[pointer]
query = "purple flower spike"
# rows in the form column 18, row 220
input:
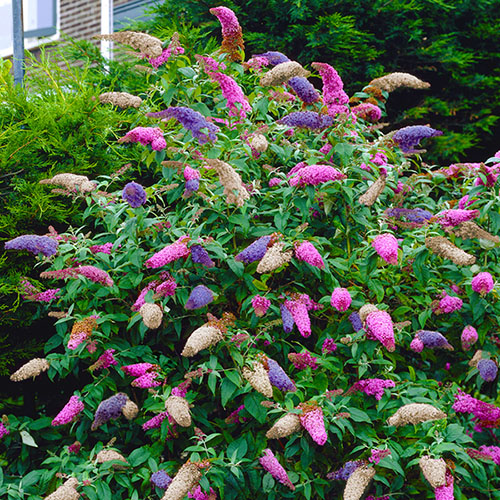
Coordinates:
column 134, row 194
column 108, row 409
column 356, row 322
column 200, row 297
column 488, row 369
column 304, row 89
column 306, row 119
column 345, row 471
column 287, row 319
column 278, row 377
column 408, row 137
column 34, row 244
column 191, row 120
column 200, row 256
column 273, row 57
column 255, row 251
column 434, row 340
column 161, row 479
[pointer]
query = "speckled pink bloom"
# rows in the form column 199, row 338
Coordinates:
column 105, row 360
column 275, row 181
column 372, row 387
column 445, row 492
column 299, row 311
column 312, row 420
column 72, row 408
column 307, row 252
column 147, row 380
column 379, row 325
column 451, row 218
column 303, row 360
column 106, row 248
column 483, row 283
column 146, row 135
column 341, row 299
column 3, row 430
column 170, row 253
column 449, row 304
column 312, row 175
column 486, row 415
column 271, row 465
column 137, row 369
column 234, row 95
column 95, row 274
column 377, row 455
column 417, row 345
column 469, row 337
column 260, row 305
column 191, row 173
column 155, row 422
column 386, row 245
column 334, row 96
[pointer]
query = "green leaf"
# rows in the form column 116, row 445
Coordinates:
column 237, row 448
column 227, row 389
column 237, row 267
column 253, row 406
column 138, row 456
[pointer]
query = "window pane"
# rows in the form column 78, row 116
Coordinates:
column 5, row 27
column 39, row 17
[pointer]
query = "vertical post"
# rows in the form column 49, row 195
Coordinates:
column 18, row 41
column 106, row 27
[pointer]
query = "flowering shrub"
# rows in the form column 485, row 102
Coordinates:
column 247, row 338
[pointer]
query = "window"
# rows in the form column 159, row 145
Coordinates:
column 123, row 13
column 40, row 21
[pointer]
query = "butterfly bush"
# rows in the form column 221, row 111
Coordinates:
column 180, row 315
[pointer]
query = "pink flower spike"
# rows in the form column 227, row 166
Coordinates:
column 260, row 305
column 379, row 326
column 313, row 422
column 483, row 283
column 271, row 465
column 298, row 310
column 386, row 245
column 334, row 96
column 232, row 92
column 72, row 408
column 138, row 369
column 341, row 299
column 3, row 430
column 170, row 253
column 445, row 492
column 307, row 252
column 469, row 337
column 312, row 175
column 377, row 455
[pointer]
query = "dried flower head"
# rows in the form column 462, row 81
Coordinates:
column 234, row 190
column 147, row 44
column 152, row 315
column 178, row 408
column 202, row 338
column 393, row 81
column 130, row 410
column 66, row 491
column 32, row 368
column 274, row 258
column 369, row 197
column 284, row 426
column 187, row 477
column 446, row 249
column 109, row 455
column 72, row 182
column 434, row 470
column 415, row 413
column 120, row 99
column 258, row 379
column 358, row 482
column 281, row 73
column 468, row 230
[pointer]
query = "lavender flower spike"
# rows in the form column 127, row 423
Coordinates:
column 273, row 57
column 278, row 377
column 191, row 120
column 306, row 119
column 134, row 194
column 304, row 89
column 254, row 251
column 408, row 137
column 34, row 244
column 200, row 296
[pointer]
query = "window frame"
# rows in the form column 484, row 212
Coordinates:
column 44, row 32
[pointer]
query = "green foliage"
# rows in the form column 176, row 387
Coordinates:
column 452, row 45
column 224, row 438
